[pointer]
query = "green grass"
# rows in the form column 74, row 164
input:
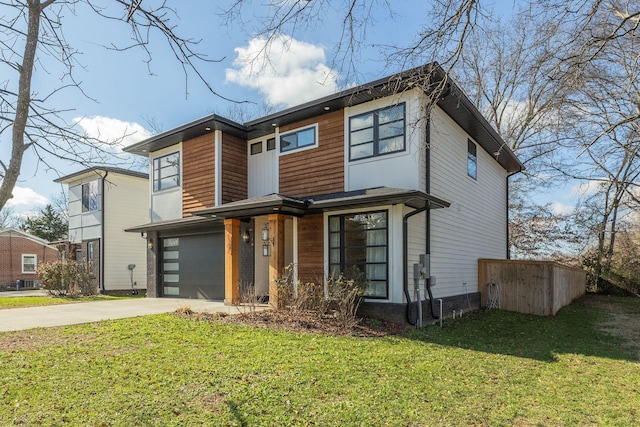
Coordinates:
column 489, row 368
column 17, row 302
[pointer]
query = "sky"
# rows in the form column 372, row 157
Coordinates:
column 128, row 96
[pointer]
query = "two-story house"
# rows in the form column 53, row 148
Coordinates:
column 103, row 201
column 368, row 177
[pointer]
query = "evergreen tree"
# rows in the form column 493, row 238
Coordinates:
column 48, row 225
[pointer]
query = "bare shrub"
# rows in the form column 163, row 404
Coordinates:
column 67, row 278
column 346, row 292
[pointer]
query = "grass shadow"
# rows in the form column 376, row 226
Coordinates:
column 575, row 329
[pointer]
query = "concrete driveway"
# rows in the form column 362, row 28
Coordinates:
column 17, row 319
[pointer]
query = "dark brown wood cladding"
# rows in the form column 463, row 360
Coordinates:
column 234, row 168
column 311, row 248
column 319, row 170
column 198, row 174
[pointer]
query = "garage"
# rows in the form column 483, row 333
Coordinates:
column 192, row 266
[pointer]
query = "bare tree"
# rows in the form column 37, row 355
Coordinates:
column 32, row 40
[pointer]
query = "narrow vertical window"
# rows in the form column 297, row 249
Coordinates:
column 472, row 160
column 90, row 196
column 166, row 171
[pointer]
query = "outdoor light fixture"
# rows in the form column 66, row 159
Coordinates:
column 150, row 244
column 246, row 236
column 265, row 232
column 266, row 249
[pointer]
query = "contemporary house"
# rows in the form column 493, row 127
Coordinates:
column 370, row 177
column 103, row 201
column 20, row 255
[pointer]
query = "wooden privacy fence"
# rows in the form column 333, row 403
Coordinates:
column 532, row 287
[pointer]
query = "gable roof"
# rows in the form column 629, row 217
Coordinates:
column 453, row 101
column 36, row 239
column 96, row 170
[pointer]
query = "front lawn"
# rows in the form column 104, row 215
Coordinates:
column 27, row 301
column 489, row 368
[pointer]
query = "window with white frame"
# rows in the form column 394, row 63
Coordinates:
column 299, row 138
column 472, row 160
column 360, row 240
column 90, row 196
column 166, row 171
column 29, row 263
column 377, row 132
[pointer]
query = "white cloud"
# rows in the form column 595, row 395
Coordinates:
column 113, row 131
column 561, row 209
column 26, row 197
column 285, row 70
column 585, row 189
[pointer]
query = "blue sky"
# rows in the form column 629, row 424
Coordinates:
column 127, row 97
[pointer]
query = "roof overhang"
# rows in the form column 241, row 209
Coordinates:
column 99, row 172
column 276, row 203
column 183, row 225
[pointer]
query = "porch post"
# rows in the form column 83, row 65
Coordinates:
column 231, row 261
column 276, row 260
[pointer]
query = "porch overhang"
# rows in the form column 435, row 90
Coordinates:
column 183, row 225
column 295, row 206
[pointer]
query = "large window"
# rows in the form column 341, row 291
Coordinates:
column 306, row 137
column 360, row 240
column 472, row 160
column 29, row 263
column 166, row 171
column 377, row 133
column 90, row 196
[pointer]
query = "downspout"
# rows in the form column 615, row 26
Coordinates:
column 427, row 173
column 101, row 261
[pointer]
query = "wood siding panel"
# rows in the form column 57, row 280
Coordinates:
column 198, row 174
column 311, row 248
column 234, row 168
column 319, row 170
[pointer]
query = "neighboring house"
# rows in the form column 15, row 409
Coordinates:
column 20, row 255
column 103, row 201
column 328, row 185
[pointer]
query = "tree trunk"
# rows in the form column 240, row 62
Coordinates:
column 18, row 145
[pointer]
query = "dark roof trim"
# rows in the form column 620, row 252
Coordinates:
column 97, row 171
column 187, row 131
column 276, row 203
column 188, row 223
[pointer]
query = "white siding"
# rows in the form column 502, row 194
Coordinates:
column 474, row 226
column 397, row 170
column 165, row 204
column 125, row 206
column 262, row 169
column 416, row 245
column 84, row 225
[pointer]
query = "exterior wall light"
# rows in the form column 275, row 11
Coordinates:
column 266, row 249
column 246, row 236
column 265, row 233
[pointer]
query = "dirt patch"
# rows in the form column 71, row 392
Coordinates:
column 622, row 319
column 303, row 321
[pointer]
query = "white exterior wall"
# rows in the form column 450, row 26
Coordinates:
column 125, row 206
column 475, row 224
column 165, row 204
column 397, row 170
column 262, row 169
column 84, row 225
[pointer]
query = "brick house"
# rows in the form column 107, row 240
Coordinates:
column 20, row 255
column 362, row 178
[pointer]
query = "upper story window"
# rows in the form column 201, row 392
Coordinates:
column 166, row 171
column 271, row 144
column 29, row 263
column 300, row 138
column 377, row 132
column 472, row 160
column 256, row 148
column 90, row 196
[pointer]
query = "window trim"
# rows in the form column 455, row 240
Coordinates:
column 159, row 177
column 271, row 144
column 255, row 148
column 472, row 157
column 35, row 263
column 342, row 248
column 376, row 131
column 296, row 149
column 86, row 207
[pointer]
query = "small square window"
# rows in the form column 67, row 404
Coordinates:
column 256, row 148
column 472, row 160
column 271, row 144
